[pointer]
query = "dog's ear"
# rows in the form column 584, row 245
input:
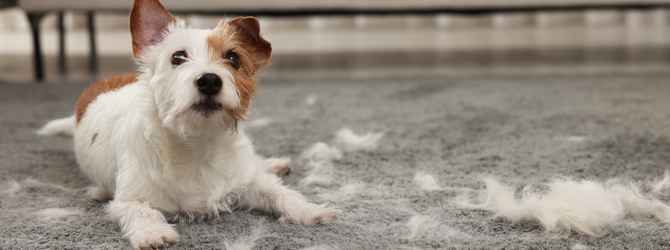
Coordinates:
column 148, row 20
column 248, row 31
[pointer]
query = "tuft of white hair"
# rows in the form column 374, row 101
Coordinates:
column 57, row 213
column 319, row 247
column 576, row 139
column 662, row 184
column 350, row 142
column 311, row 100
column 344, row 193
column 60, row 127
column 426, row 182
column 322, row 152
column 260, row 122
column 29, row 182
column 578, row 246
column 248, row 242
column 585, row 207
column 415, row 224
column 12, row 187
column 320, row 173
column 430, row 227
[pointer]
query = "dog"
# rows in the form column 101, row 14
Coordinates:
column 169, row 143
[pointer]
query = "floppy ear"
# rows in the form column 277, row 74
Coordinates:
column 148, row 20
column 248, row 31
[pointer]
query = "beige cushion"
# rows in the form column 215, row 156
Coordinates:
column 278, row 5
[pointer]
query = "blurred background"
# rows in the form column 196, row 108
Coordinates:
column 631, row 36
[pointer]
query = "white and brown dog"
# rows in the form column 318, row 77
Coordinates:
column 169, row 143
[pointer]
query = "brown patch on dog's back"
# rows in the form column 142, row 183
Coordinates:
column 102, row 87
column 242, row 36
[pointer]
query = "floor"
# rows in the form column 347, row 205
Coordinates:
column 454, row 131
column 376, row 46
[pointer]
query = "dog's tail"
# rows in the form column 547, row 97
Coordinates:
column 60, row 127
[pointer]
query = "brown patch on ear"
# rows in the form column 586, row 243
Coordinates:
column 99, row 88
column 241, row 35
column 148, row 20
column 248, row 32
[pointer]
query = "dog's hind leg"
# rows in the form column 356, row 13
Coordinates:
column 97, row 193
column 278, row 166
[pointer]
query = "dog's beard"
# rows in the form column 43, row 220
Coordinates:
column 207, row 107
column 204, row 116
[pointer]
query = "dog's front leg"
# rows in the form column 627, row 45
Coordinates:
column 145, row 227
column 267, row 194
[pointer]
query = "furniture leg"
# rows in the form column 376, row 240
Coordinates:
column 38, row 62
column 93, row 58
column 62, row 60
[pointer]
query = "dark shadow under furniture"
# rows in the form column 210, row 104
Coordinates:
column 36, row 16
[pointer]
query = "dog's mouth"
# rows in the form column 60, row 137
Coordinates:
column 207, row 107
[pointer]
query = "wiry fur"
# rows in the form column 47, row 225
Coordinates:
column 578, row 246
column 320, row 173
column 57, row 213
column 426, row 182
column 322, row 152
column 319, row 247
column 249, row 241
column 345, row 193
column 149, row 146
column 430, row 227
column 13, row 187
column 311, row 100
column 415, row 224
column 663, row 184
column 585, row 207
column 349, row 142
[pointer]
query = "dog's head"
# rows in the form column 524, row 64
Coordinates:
column 203, row 80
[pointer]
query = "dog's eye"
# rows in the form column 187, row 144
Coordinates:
column 178, row 58
column 234, row 59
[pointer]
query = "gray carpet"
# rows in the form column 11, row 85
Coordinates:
column 520, row 129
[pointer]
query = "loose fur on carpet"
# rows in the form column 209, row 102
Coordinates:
column 406, row 174
column 585, row 207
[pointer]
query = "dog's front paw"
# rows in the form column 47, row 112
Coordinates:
column 154, row 237
column 314, row 216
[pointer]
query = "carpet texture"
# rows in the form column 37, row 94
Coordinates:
column 521, row 130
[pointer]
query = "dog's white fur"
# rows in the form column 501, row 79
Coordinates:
column 426, row 181
column 57, row 213
column 322, row 152
column 350, row 142
column 159, row 159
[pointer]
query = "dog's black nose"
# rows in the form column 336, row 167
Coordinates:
column 209, row 84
